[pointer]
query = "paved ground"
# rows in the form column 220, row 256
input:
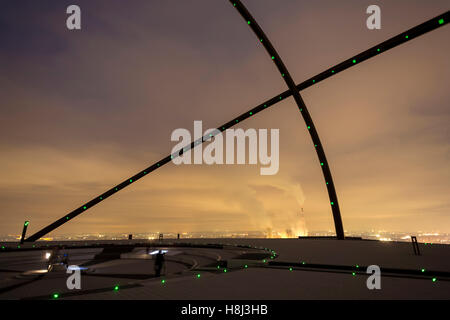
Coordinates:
column 193, row 273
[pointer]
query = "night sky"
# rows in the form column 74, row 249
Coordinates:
column 83, row 110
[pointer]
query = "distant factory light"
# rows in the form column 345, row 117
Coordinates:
column 47, row 255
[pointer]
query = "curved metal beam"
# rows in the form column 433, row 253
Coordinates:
column 415, row 32
column 303, row 110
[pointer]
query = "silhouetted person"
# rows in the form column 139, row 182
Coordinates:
column 159, row 263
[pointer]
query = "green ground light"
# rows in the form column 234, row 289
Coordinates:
column 116, row 288
column 55, row 296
